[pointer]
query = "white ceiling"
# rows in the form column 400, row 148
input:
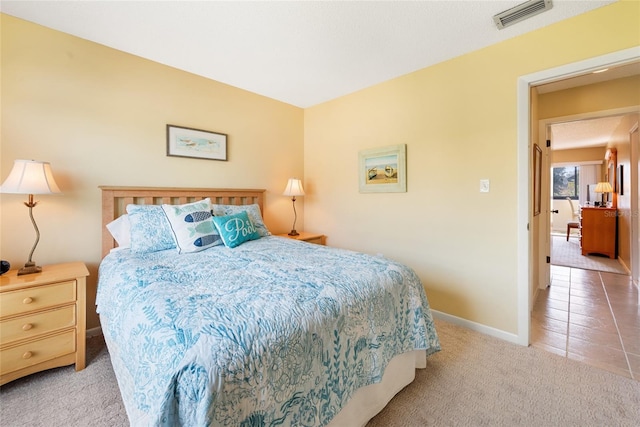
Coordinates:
column 306, row 52
column 299, row 52
column 584, row 133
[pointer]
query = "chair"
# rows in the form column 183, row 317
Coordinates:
column 575, row 219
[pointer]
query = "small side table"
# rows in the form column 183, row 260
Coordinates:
column 42, row 320
column 318, row 239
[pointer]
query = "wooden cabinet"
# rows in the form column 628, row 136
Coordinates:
column 42, row 320
column 319, row 239
column 598, row 230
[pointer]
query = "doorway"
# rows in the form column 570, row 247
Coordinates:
column 529, row 230
column 573, row 284
column 578, row 152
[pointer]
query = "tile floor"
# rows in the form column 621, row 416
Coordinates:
column 590, row 316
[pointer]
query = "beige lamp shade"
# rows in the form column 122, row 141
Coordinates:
column 294, row 188
column 603, row 187
column 30, row 177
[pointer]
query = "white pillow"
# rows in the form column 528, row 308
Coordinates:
column 192, row 226
column 120, row 229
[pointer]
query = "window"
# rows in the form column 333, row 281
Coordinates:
column 565, row 182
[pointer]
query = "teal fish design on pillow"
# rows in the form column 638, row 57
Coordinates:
column 202, row 227
column 192, row 225
column 206, row 240
column 198, row 216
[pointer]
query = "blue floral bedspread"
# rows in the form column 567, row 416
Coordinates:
column 272, row 332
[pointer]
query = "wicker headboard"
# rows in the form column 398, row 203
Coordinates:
column 116, row 199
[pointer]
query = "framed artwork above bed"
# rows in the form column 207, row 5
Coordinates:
column 196, row 143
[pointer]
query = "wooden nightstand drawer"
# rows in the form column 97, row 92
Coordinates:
column 319, row 239
column 37, row 351
column 37, row 324
column 42, row 320
column 30, row 299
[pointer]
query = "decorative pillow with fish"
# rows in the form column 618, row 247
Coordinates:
column 192, row 226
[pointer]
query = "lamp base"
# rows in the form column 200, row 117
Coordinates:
column 294, row 233
column 29, row 268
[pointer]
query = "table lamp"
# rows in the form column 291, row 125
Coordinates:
column 30, row 177
column 294, row 188
column 603, row 187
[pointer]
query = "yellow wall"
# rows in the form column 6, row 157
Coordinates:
column 458, row 119
column 591, row 154
column 609, row 95
column 621, row 141
column 99, row 115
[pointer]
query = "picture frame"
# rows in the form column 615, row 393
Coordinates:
column 383, row 170
column 620, row 180
column 537, row 179
column 196, row 143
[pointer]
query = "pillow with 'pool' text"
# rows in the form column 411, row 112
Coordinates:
column 253, row 211
column 235, row 229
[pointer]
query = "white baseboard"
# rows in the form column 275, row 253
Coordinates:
column 94, row 332
column 487, row 330
column 624, row 265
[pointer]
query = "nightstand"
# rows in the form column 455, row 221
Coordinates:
column 319, row 239
column 42, row 320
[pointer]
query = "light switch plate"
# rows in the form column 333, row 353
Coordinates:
column 484, row 185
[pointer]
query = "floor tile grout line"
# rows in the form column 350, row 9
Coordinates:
column 566, row 344
column 615, row 322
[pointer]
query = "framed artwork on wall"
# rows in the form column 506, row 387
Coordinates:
column 383, row 170
column 537, row 179
column 196, row 143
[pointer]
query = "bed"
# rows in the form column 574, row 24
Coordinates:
column 268, row 331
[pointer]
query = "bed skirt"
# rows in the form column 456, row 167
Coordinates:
column 370, row 400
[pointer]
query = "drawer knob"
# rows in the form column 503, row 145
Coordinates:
column 27, row 326
column 27, row 355
column 27, row 300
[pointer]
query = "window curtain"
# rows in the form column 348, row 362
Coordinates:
column 588, row 175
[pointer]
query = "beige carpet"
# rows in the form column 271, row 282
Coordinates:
column 569, row 254
column 476, row 380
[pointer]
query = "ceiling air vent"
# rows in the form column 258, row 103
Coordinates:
column 521, row 12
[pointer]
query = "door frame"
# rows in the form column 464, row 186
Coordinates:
column 525, row 261
column 634, row 163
